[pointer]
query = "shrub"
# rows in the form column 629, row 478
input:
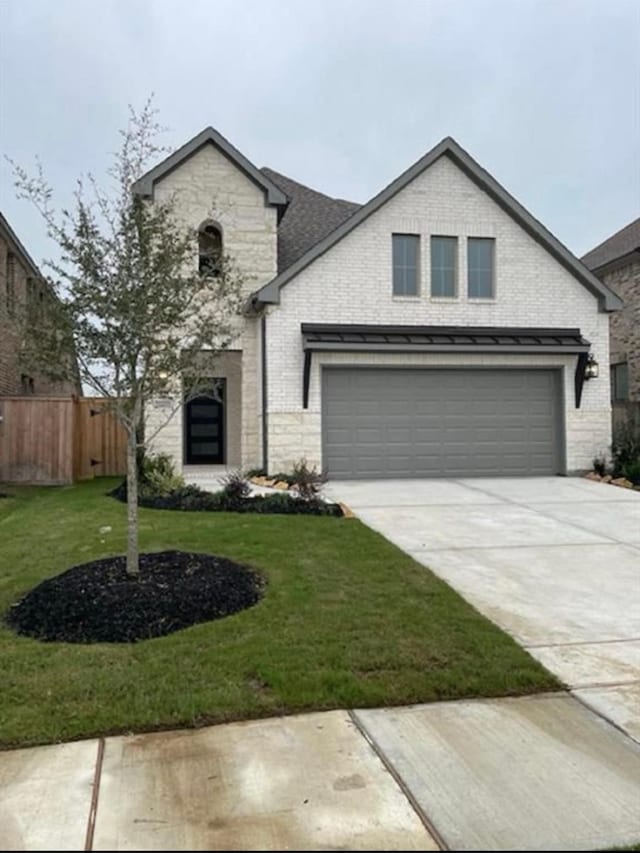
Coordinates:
column 625, row 450
column 159, row 476
column 235, row 487
column 194, row 499
column 255, row 472
column 600, row 465
column 308, row 482
column 631, row 470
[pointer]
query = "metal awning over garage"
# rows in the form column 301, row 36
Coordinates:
column 324, row 337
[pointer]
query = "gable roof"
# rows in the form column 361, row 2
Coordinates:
column 624, row 242
column 11, row 237
column 273, row 194
column 608, row 301
column 310, row 216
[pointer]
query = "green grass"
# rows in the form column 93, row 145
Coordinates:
column 348, row 620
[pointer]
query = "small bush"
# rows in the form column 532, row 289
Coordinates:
column 194, row 499
column 308, row 482
column 626, row 449
column 235, row 487
column 631, row 470
column 255, row 472
column 600, row 465
column 159, row 476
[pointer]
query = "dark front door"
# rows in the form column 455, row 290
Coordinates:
column 204, row 428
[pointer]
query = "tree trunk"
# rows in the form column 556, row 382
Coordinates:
column 133, row 567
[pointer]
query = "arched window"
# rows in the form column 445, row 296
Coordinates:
column 209, row 249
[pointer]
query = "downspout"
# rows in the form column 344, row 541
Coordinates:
column 263, row 354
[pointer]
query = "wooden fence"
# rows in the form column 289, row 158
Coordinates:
column 58, row 440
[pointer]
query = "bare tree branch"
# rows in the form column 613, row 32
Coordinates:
column 131, row 305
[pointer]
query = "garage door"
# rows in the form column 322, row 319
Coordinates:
column 440, row 423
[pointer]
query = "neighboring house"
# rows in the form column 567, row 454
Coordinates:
column 617, row 263
column 20, row 283
column 437, row 330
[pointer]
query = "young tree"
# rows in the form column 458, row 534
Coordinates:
column 141, row 319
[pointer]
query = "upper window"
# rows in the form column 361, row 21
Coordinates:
column 406, row 254
column 480, row 267
column 209, row 249
column 620, row 382
column 444, row 266
column 10, row 275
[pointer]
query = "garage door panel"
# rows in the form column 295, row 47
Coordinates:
column 380, row 422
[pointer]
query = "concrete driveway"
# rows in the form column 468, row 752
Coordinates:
column 553, row 561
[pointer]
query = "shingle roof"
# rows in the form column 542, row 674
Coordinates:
column 310, row 216
column 623, row 242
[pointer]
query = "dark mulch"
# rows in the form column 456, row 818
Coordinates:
column 194, row 499
column 99, row 603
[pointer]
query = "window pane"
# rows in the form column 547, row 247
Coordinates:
column 444, row 251
column 620, row 382
column 406, row 249
column 480, row 252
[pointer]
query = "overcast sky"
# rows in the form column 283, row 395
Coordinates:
column 342, row 96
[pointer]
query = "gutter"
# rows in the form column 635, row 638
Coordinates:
column 263, row 356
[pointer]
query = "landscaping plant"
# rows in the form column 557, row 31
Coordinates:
column 307, row 481
column 131, row 304
column 625, row 451
column 235, row 487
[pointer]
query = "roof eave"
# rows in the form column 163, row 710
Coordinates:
column 617, row 263
column 11, row 236
column 607, row 299
column 144, row 185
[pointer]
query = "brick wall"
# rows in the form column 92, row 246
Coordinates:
column 13, row 302
column 352, row 284
column 625, row 324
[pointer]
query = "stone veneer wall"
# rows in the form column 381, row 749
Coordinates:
column 226, row 365
column 625, row 325
column 209, row 186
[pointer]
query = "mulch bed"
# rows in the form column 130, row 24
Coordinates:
column 194, row 499
column 99, row 603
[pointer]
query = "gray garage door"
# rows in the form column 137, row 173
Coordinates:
column 440, row 423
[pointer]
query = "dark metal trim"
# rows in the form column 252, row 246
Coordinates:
column 326, row 337
column 306, row 378
column 364, row 328
column 607, row 299
column 372, row 338
column 144, row 185
column 581, row 370
column 263, row 357
column 505, row 348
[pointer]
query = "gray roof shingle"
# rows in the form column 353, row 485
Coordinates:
column 309, row 217
column 623, row 242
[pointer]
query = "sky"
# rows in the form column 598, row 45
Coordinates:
column 342, row 96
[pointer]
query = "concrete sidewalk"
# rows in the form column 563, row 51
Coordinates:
column 531, row 773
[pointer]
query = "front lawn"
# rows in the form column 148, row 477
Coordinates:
column 348, row 620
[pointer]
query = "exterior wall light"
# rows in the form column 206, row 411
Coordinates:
column 592, row 370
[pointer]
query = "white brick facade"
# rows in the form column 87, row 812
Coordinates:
column 352, row 283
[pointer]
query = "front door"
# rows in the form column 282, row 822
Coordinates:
column 204, row 428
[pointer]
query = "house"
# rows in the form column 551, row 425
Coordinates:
column 616, row 262
column 437, row 330
column 21, row 284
